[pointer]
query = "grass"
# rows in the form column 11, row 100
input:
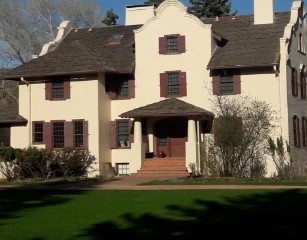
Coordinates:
column 198, row 214
column 229, row 181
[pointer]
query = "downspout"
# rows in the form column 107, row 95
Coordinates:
column 30, row 110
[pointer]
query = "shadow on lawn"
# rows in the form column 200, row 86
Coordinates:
column 274, row 214
column 17, row 198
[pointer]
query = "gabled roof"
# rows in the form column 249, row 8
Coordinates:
column 84, row 51
column 167, row 108
column 246, row 44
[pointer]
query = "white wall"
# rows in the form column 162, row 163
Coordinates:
column 83, row 104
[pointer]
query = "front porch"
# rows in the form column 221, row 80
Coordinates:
column 172, row 137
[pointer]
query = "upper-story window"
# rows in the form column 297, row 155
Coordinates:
column 226, row 82
column 301, row 44
column 303, row 83
column 294, row 82
column 173, row 84
column 120, row 86
column 58, row 89
column 172, row 44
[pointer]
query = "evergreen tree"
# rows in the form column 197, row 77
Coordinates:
column 209, row 8
column 156, row 2
column 110, row 18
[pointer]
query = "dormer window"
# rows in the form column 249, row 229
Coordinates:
column 116, row 39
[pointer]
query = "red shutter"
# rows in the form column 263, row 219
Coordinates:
column 68, row 134
column 131, row 132
column 294, row 82
column 216, row 83
column 161, row 45
column 131, row 88
column 67, row 89
column 163, row 84
column 237, row 84
column 85, row 134
column 183, row 84
column 48, row 90
column 181, row 44
column 47, row 135
column 112, row 136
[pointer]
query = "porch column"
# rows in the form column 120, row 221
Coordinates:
column 191, row 145
column 137, row 131
column 191, row 130
column 137, row 152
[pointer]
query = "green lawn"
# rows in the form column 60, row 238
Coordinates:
column 184, row 214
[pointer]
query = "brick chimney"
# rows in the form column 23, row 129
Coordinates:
column 264, row 11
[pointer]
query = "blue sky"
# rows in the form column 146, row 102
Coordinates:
column 243, row 6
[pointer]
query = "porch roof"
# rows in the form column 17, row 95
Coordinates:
column 166, row 108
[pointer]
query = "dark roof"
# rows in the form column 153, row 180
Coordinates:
column 85, row 50
column 9, row 103
column 247, row 44
column 167, row 107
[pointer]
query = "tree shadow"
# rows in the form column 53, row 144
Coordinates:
column 14, row 199
column 273, row 214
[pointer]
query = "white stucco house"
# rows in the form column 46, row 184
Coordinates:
column 130, row 92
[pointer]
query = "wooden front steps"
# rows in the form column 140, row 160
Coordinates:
column 163, row 167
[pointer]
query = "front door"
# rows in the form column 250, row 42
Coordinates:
column 171, row 137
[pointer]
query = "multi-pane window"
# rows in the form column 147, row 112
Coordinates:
column 227, row 85
column 296, row 131
column 173, row 84
column 58, row 134
column 78, row 133
column 57, row 90
column 123, row 168
column 38, row 132
column 226, row 82
column 304, row 131
column 123, row 134
column 172, row 44
column 303, row 83
column 120, row 86
column 123, row 89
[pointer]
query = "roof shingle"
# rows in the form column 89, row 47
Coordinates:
column 167, row 107
column 247, row 44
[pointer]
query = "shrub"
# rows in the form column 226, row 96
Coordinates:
column 33, row 162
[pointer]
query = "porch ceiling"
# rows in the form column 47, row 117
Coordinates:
column 166, row 108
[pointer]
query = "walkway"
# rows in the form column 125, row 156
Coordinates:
column 132, row 183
